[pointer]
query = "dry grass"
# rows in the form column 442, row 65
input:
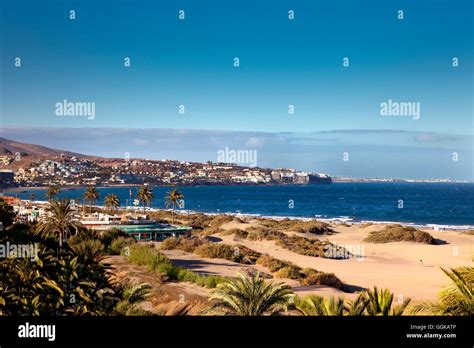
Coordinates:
column 307, row 276
column 303, row 246
column 297, row 244
column 264, row 233
column 182, row 243
column 398, row 233
column 312, row 226
column 239, row 253
column 314, row 277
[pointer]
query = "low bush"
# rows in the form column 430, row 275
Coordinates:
column 274, row 265
column 118, row 245
column 398, row 233
column 182, row 243
column 307, row 276
column 238, row 233
column 198, row 221
column 303, row 246
column 264, row 233
column 291, row 225
column 109, row 235
column 221, row 219
column 290, row 272
column 218, row 251
column 209, row 231
column 313, row 277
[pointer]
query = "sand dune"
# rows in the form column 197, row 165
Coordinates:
column 408, row 269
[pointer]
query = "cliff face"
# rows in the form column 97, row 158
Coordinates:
column 322, row 179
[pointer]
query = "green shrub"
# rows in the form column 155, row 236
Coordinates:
column 264, row 233
column 290, row 272
column 169, row 270
column 170, row 243
column 217, row 251
column 238, row 233
column 209, row 231
column 274, row 265
column 292, row 225
column 182, row 243
column 118, row 245
column 109, row 235
column 198, row 221
column 313, row 277
column 398, row 233
column 147, row 255
column 219, row 220
column 303, row 246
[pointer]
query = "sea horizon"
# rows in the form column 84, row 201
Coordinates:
column 417, row 204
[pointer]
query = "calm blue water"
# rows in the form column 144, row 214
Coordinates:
column 423, row 203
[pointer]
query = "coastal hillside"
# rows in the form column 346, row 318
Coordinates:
column 35, row 165
column 11, row 147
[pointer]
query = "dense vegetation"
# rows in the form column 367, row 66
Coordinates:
column 64, row 273
column 373, row 302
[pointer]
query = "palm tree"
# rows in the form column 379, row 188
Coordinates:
column 52, row 191
column 7, row 214
column 145, row 195
column 251, row 296
column 91, row 195
column 173, row 198
column 88, row 251
column 132, row 295
column 380, row 303
column 318, row 305
column 60, row 222
column 455, row 299
column 358, row 306
column 112, row 201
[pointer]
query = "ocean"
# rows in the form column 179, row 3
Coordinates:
column 410, row 203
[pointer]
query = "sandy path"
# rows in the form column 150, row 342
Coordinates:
column 393, row 265
column 230, row 269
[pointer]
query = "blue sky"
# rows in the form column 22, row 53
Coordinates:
column 283, row 62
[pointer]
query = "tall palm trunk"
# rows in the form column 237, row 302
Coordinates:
column 172, row 214
column 61, row 239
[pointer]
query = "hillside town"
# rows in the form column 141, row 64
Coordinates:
column 77, row 171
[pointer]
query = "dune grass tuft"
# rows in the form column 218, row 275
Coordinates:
column 398, row 233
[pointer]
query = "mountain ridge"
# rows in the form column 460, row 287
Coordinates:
column 11, row 147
